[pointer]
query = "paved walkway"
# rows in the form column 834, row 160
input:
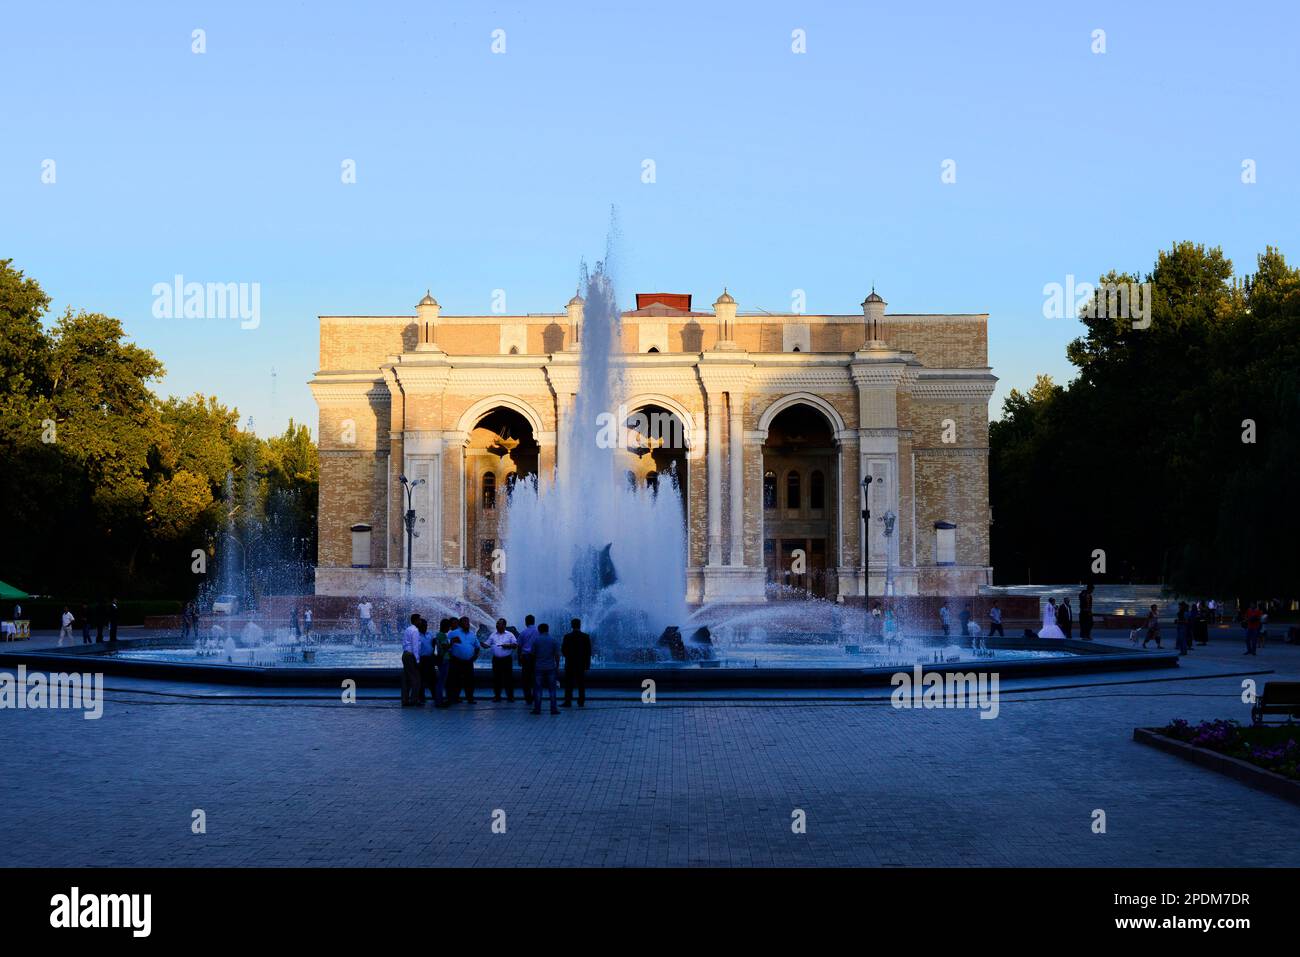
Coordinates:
column 687, row 780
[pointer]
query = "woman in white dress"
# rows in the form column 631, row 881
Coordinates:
column 1050, row 630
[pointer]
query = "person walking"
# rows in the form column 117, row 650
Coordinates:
column 995, row 621
column 411, row 693
column 1254, row 622
column 430, row 664
column 85, row 624
column 464, row 651
column 502, row 644
column 306, row 623
column 1085, row 613
column 112, row 622
column 945, row 619
column 576, row 649
column 1153, row 627
column 1181, row 628
column 366, row 628
column 527, row 660
column 547, row 651
column 66, row 630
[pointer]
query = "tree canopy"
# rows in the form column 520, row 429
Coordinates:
column 1173, row 450
column 108, row 487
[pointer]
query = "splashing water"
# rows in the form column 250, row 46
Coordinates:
column 590, row 545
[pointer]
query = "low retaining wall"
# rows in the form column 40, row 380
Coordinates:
column 1256, row 777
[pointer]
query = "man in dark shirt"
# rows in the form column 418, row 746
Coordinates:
column 1085, row 613
column 576, row 649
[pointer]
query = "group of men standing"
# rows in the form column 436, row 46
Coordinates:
column 442, row 663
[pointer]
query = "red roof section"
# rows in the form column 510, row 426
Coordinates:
column 673, row 300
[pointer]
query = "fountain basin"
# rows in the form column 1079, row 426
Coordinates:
column 777, row 666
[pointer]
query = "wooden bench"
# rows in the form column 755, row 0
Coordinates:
column 1279, row 698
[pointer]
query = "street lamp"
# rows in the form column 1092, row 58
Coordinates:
column 409, row 520
column 888, row 520
column 866, row 557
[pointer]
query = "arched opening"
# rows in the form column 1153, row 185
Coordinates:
column 656, row 443
column 501, row 450
column 799, row 516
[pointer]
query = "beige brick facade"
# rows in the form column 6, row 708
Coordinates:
column 781, row 415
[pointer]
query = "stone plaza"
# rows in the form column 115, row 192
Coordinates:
column 300, row 778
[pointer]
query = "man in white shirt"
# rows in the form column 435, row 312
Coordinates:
column 503, row 645
column 66, row 630
column 411, row 663
column 363, row 612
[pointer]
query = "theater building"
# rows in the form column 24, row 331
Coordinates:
column 780, row 418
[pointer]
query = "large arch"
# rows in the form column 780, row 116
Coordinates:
column 482, row 407
column 799, row 506
column 805, row 398
column 643, row 399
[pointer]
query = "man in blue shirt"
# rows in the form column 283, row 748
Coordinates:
column 546, row 650
column 464, row 651
column 527, row 660
column 430, row 660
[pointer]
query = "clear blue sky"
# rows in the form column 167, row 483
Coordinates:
column 775, row 171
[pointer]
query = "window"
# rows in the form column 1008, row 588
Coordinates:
column 489, row 491
column 817, row 490
column 945, row 543
column 361, row 546
column 792, row 486
column 769, row 490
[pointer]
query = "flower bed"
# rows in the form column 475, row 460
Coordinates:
column 1275, row 748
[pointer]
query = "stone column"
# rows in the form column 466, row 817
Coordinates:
column 736, row 481
column 715, row 478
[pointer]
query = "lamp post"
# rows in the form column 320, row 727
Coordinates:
column 409, row 520
column 866, row 557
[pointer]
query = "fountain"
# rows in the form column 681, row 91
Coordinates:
column 590, row 545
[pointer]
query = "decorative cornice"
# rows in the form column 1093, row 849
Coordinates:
column 958, row 387
column 944, row 451
column 331, row 391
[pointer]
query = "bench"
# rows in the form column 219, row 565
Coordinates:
column 1279, row 698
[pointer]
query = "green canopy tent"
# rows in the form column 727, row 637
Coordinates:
column 9, row 592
